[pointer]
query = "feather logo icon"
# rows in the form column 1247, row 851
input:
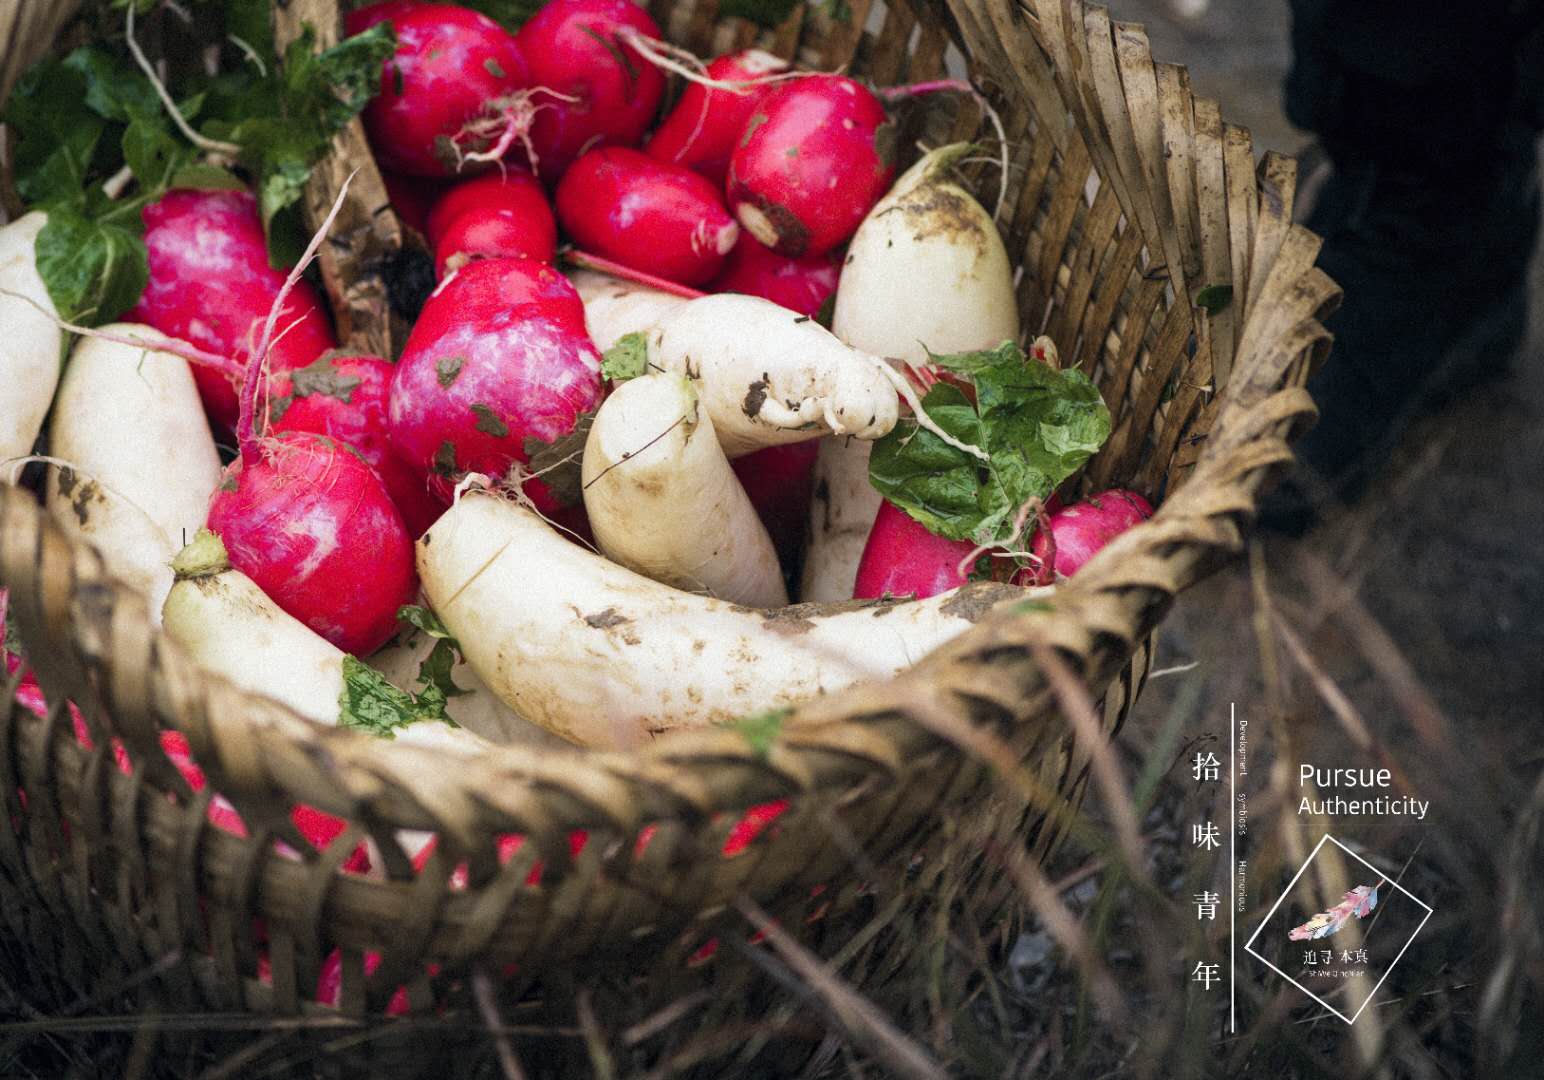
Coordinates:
column 1358, row 903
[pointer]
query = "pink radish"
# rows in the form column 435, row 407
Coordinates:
column 491, row 234
column 498, row 358
column 703, row 128
column 508, row 189
column 903, row 559
column 345, row 398
column 779, row 481
column 803, row 285
column 453, row 67
column 610, row 93
column 1079, row 531
column 659, row 218
column 211, row 286
column 313, row 526
column 357, row 22
column 814, row 157
column 412, row 197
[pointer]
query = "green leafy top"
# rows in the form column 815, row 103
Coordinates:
column 761, row 729
column 369, row 702
column 81, row 119
column 1037, row 424
column 627, row 359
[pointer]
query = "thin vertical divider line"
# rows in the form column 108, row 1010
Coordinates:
column 1232, row 868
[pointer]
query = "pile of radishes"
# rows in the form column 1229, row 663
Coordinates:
column 620, row 437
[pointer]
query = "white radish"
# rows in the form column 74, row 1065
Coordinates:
column 129, row 420
column 31, row 344
column 228, row 626
column 608, row 658
column 663, row 500
column 614, row 308
column 842, row 513
column 926, row 272
column 772, row 376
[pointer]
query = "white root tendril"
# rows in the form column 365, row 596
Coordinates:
column 510, row 124
column 1032, row 507
column 689, row 65
column 227, row 150
column 908, row 392
column 154, row 340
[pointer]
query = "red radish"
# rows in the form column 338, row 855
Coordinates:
column 411, row 197
column 492, row 234
column 508, row 189
column 803, row 285
column 345, row 398
column 903, row 559
column 659, row 218
column 499, row 357
column 1079, row 531
column 703, row 128
column 211, row 286
column 453, row 67
column 779, row 481
column 313, row 526
column 577, row 48
column 814, row 157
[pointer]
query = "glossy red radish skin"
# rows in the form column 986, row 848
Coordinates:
column 499, row 357
column 210, row 285
column 814, row 157
column 1080, row 531
column 903, row 559
column 313, row 526
column 509, row 188
column 494, row 234
column 577, row 48
column 803, row 285
column 453, row 66
column 659, row 218
column 702, row 130
column 345, row 398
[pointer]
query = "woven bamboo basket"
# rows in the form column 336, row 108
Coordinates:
column 1129, row 197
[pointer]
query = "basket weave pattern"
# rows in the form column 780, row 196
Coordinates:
column 1128, row 196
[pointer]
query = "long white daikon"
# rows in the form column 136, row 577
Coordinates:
column 30, row 340
column 142, row 462
column 608, row 658
column 663, row 500
column 926, row 272
column 614, row 308
column 230, row 627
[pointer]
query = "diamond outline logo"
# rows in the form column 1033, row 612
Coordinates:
column 1249, row 945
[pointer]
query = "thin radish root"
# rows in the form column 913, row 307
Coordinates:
column 153, row 339
column 253, row 378
column 1032, row 508
column 228, row 151
column 960, row 86
column 904, row 387
column 688, row 65
column 509, row 123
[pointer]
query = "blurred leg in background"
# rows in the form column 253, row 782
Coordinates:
column 1429, row 112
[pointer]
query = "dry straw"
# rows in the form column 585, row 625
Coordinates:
column 1156, row 254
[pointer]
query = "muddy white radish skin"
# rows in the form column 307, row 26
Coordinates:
column 130, row 420
column 926, row 270
column 31, row 345
column 608, row 658
column 771, row 376
column 228, row 626
column 614, row 308
column 663, row 500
